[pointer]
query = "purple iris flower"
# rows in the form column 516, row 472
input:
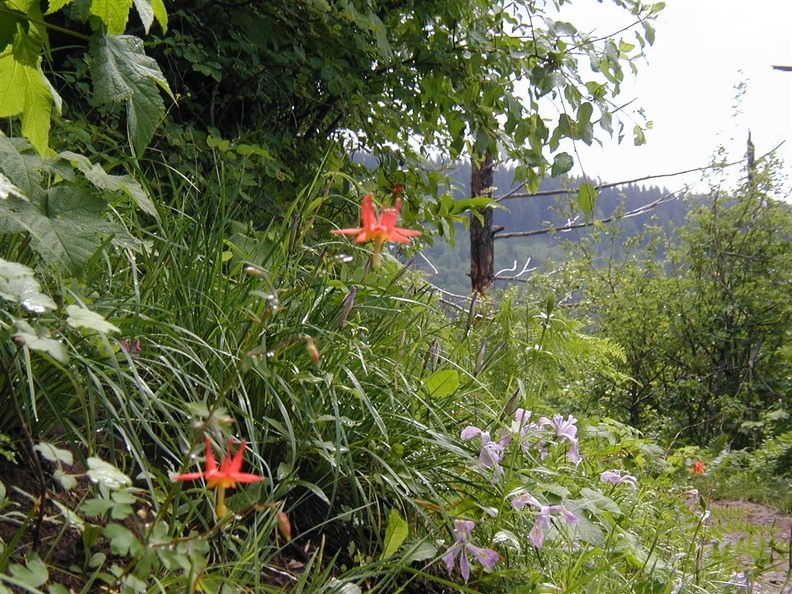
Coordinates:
column 490, row 452
column 617, row 477
column 565, row 429
column 462, row 546
column 543, row 518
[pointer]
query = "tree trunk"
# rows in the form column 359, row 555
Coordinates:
column 482, row 237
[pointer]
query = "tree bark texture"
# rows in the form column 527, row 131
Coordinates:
column 482, row 237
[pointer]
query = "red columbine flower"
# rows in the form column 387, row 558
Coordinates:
column 698, row 467
column 226, row 477
column 379, row 229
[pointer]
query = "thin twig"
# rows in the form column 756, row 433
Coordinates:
column 616, row 217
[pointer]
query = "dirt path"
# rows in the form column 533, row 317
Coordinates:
column 761, row 537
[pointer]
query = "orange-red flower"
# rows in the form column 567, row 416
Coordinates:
column 226, row 476
column 379, row 228
column 698, row 467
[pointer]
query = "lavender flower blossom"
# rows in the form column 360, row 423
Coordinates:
column 617, row 477
column 565, row 429
column 527, row 432
column 543, row 518
column 491, row 452
column 463, row 530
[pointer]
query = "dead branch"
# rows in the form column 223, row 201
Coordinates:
column 616, row 217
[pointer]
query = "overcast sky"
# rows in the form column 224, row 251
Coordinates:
column 703, row 51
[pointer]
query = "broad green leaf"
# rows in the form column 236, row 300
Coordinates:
column 146, row 13
column 53, row 454
column 442, row 383
column 114, row 14
column 96, row 506
column 122, row 540
column 40, row 342
column 72, row 230
column 591, row 499
column 344, row 587
column 508, row 538
column 22, row 165
column 639, row 136
column 160, row 13
column 587, row 199
column 105, row 181
column 420, row 552
column 562, row 163
column 79, row 317
column 584, row 114
column 395, row 534
column 588, row 531
column 18, row 283
column 123, row 72
column 8, row 27
column 24, row 92
column 149, row 10
column 55, row 5
column 106, row 474
column 465, row 204
column 34, row 574
column 67, row 481
column 7, row 189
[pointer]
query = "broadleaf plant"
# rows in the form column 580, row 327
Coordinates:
column 27, row 93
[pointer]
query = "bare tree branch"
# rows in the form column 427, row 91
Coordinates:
column 561, row 191
column 616, row 217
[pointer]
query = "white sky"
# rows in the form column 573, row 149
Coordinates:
column 703, row 50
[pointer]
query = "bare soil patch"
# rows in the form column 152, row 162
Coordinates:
column 762, row 538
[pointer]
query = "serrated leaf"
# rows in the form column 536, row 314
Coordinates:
column 123, row 72
column 96, row 174
column 145, row 12
column 395, row 534
column 562, row 163
column 31, row 339
column 71, row 231
column 149, row 10
column 24, row 92
column 53, row 454
column 18, row 283
column 587, row 199
column 114, row 14
column 106, row 474
column 55, row 5
column 161, row 14
column 442, row 383
column 80, row 317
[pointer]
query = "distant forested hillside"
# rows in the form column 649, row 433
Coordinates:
column 447, row 266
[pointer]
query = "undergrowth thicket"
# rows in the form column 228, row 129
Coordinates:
column 396, row 436
column 203, row 389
